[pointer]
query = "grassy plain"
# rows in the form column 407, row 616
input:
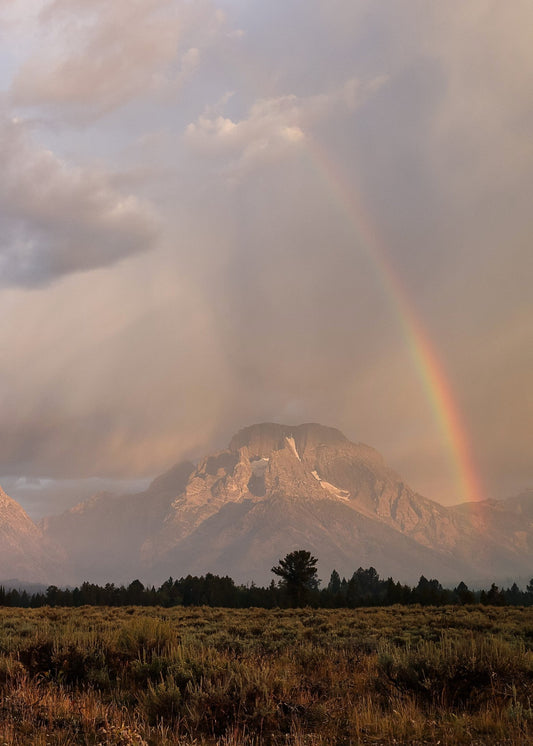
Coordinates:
column 204, row 676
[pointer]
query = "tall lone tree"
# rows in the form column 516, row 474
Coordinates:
column 298, row 575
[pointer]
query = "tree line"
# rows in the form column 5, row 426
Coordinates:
column 298, row 586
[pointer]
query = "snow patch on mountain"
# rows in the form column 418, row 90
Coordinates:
column 292, row 445
column 331, row 488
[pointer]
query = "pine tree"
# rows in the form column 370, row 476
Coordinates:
column 298, row 575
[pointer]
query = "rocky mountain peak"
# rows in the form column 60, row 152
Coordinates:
column 277, row 487
column 288, row 475
column 262, row 439
column 24, row 552
column 14, row 517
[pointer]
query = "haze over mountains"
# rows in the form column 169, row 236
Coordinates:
column 275, row 488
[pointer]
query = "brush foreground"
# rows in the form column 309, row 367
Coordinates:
column 124, row 676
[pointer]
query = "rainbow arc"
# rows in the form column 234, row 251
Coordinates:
column 430, row 369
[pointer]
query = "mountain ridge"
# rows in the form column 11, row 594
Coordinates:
column 277, row 487
column 25, row 553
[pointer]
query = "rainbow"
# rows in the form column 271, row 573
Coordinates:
column 427, row 363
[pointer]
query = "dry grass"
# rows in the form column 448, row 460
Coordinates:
column 399, row 675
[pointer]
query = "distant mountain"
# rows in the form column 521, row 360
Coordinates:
column 25, row 553
column 12, row 584
column 277, row 488
column 500, row 533
column 102, row 536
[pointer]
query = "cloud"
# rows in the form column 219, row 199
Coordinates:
column 264, row 301
column 90, row 58
column 57, row 219
column 273, row 127
column 483, row 121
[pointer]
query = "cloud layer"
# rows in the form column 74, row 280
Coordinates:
column 57, row 219
column 186, row 201
column 92, row 58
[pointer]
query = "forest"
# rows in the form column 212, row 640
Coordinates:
column 363, row 588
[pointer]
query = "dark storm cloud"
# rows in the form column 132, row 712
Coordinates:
column 57, row 219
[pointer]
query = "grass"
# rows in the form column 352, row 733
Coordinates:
column 206, row 677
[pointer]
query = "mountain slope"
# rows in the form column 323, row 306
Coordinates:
column 277, row 488
column 102, row 536
column 25, row 553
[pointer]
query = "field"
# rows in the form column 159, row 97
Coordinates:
column 124, row 676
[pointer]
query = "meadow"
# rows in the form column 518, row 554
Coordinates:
column 244, row 677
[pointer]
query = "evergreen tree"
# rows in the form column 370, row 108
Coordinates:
column 298, row 575
column 464, row 594
column 334, row 585
column 495, row 596
column 528, row 600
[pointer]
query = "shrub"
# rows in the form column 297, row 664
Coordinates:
column 465, row 672
column 162, row 701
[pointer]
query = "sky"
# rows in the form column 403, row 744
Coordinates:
column 222, row 212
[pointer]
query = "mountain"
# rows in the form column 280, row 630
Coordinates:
column 502, row 535
column 102, row 536
column 25, row 553
column 277, row 488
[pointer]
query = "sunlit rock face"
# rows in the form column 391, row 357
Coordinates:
column 25, row 553
column 280, row 487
